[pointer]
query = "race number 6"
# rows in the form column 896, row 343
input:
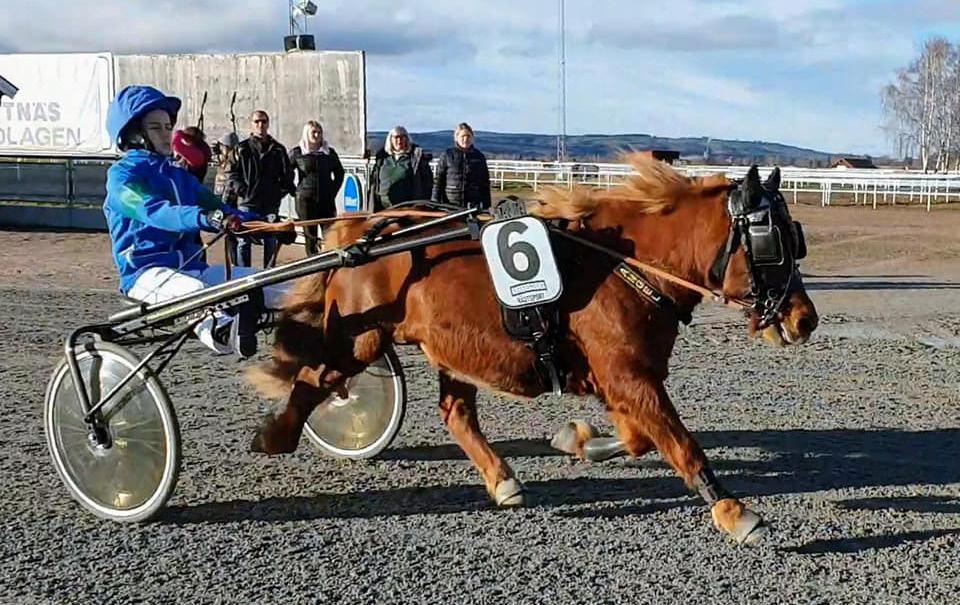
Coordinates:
column 509, row 252
column 521, row 262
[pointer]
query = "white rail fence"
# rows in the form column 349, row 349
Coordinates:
column 81, row 181
column 866, row 187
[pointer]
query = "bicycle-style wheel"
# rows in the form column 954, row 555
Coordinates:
column 365, row 422
column 129, row 477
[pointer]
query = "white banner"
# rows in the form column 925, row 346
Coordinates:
column 61, row 108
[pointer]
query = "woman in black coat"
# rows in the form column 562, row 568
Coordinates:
column 462, row 176
column 319, row 178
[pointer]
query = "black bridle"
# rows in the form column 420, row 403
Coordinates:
column 773, row 243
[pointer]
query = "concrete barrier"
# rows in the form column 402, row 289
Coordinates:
column 53, row 216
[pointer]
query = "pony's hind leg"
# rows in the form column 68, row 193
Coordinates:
column 645, row 416
column 458, row 407
column 281, row 433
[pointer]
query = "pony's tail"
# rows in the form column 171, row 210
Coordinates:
column 298, row 342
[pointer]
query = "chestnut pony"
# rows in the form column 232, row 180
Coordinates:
column 614, row 343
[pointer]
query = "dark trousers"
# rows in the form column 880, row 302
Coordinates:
column 230, row 241
column 311, row 240
column 311, row 207
column 244, row 254
column 245, row 251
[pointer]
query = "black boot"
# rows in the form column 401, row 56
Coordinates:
column 243, row 328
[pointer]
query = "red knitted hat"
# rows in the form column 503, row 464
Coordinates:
column 196, row 153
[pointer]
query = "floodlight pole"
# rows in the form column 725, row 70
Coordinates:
column 292, row 10
column 562, row 137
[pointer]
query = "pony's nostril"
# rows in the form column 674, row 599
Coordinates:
column 806, row 325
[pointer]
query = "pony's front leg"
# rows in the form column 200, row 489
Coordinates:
column 644, row 415
column 458, row 408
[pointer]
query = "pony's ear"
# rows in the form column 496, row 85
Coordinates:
column 772, row 183
column 752, row 186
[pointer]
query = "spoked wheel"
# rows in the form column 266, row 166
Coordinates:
column 365, row 422
column 129, row 476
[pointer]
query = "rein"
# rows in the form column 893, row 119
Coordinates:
column 289, row 225
column 715, row 295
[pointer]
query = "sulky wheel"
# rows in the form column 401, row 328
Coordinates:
column 365, row 422
column 130, row 475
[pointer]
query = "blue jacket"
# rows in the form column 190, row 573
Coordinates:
column 154, row 211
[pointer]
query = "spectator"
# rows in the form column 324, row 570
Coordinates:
column 319, row 177
column 462, row 175
column 191, row 152
column 225, row 152
column 262, row 177
column 401, row 171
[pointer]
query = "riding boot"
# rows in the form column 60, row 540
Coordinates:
column 243, row 328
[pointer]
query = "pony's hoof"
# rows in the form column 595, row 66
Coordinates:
column 270, row 441
column 749, row 529
column 572, row 436
column 258, row 445
column 509, row 493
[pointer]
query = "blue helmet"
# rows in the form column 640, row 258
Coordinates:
column 133, row 102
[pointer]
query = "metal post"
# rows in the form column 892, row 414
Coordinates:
column 69, row 175
column 561, row 138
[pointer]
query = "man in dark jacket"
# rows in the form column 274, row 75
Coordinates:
column 462, row 175
column 263, row 175
column 401, row 172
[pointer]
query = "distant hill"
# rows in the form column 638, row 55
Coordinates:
column 601, row 147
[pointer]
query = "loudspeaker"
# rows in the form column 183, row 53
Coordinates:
column 304, row 42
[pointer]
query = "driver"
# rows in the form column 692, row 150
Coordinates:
column 155, row 210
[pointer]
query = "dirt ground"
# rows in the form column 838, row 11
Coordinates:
column 855, row 253
column 848, row 445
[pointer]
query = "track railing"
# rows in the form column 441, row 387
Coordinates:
column 81, row 181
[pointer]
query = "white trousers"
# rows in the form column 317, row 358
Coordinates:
column 160, row 284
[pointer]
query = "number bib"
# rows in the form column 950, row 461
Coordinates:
column 521, row 262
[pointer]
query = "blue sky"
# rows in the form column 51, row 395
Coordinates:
column 805, row 72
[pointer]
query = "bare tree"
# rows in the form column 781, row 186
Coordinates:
column 922, row 107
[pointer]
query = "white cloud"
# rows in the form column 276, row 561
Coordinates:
column 804, row 72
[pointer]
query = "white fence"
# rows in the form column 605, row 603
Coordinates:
column 82, row 181
column 867, row 187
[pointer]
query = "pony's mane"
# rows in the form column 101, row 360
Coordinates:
column 656, row 188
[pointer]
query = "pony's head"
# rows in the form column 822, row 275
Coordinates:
column 728, row 236
column 759, row 262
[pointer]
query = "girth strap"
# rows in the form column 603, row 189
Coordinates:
column 538, row 330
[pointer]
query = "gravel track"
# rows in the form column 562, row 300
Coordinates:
column 848, row 446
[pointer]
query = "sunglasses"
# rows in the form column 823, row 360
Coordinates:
column 261, row 121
